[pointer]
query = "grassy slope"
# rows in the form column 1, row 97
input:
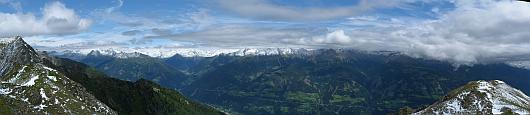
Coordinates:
column 132, row 69
column 141, row 97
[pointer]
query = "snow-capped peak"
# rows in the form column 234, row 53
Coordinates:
column 113, row 53
column 482, row 97
column 210, row 52
column 185, row 52
column 269, row 51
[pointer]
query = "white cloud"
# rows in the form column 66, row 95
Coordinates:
column 118, row 6
column 199, row 19
column 56, row 19
column 82, row 40
column 338, row 37
column 474, row 32
column 335, row 37
column 262, row 9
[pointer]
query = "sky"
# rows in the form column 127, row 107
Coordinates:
column 460, row 31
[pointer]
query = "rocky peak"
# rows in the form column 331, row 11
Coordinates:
column 94, row 53
column 16, row 51
column 29, row 86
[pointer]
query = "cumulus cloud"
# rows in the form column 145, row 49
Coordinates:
column 262, row 9
column 337, row 37
column 475, row 31
column 55, row 19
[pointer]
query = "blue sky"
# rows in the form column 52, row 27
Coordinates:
column 179, row 11
column 463, row 31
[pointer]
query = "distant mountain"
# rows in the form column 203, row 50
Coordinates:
column 481, row 97
column 185, row 52
column 174, row 72
column 35, row 83
column 132, row 67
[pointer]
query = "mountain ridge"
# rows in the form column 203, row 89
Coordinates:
column 37, row 83
column 29, row 86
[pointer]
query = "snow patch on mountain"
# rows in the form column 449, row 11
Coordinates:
column 481, row 97
column 56, row 91
column 31, row 81
column 27, row 84
column 43, row 94
column 270, row 51
column 4, row 91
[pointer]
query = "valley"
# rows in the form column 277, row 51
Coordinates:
column 325, row 81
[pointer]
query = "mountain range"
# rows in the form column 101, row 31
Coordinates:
column 185, row 52
column 316, row 81
column 33, row 82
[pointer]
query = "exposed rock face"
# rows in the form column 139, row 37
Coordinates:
column 27, row 86
column 14, row 51
column 481, row 97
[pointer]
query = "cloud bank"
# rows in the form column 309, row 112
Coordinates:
column 473, row 32
column 56, row 19
column 476, row 31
